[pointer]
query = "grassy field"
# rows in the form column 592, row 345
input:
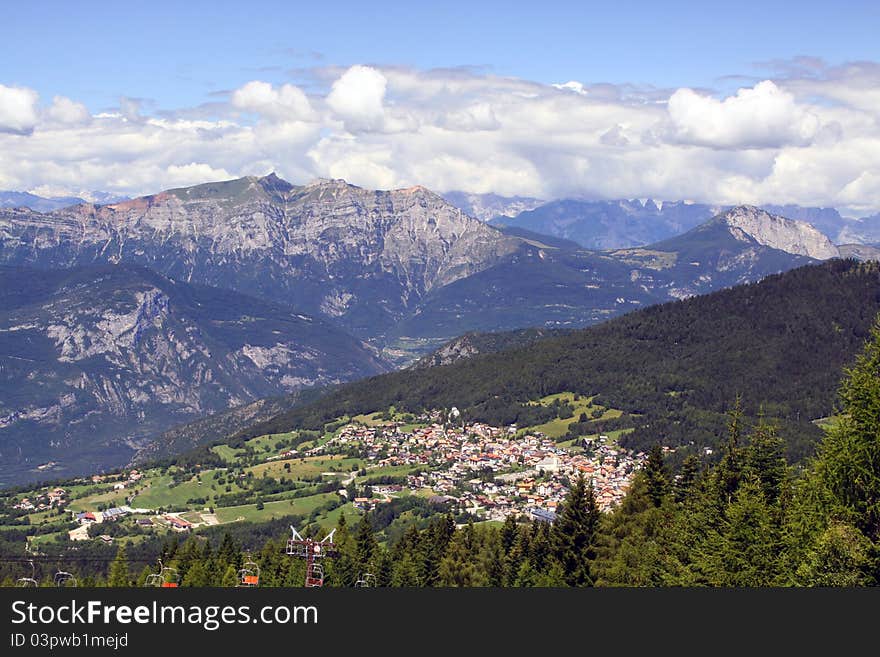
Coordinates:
column 107, row 499
column 306, row 467
column 389, row 471
column 330, row 519
column 557, row 427
column 370, row 420
column 161, row 494
column 226, row 453
column 270, row 510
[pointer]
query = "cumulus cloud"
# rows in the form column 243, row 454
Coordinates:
column 287, row 102
column 763, row 116
column 810, row 138
column 357, row 98
column 64, row 110
column 18, row 110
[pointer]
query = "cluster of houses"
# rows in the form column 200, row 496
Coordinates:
column 494, row 472
column 108, row 515
column 52, row 497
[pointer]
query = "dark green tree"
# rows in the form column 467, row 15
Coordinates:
column 119, row 575
column 849, row 456
column 574, row 533
column 765, row 459
column 656, row 475
column 686, row 481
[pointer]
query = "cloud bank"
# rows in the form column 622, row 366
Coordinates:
column 809, row 135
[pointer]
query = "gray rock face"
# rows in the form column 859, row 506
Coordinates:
column 490, row 206
column 358, row 255
column 95, row 361
column 795, row 237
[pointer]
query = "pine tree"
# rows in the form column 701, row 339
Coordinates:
column 197, row 575
column 656, row 475
column 765, row 459
column 385, row 567
column 687, row 479
column 119, row 575
column 228, row 552
column 405, row 572
column 493, row 560
column 457, row 567
column 142, row 578
column 526, row 576
column 509, row 532
column 744, row 550
column 554, row 577
column 230, row 577
column 728, row 472
column 574, row 533
column 849, row 455
column 365, row 546
column 343, row 570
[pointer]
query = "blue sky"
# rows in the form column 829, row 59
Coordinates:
column 722, row 102
column 178, row 53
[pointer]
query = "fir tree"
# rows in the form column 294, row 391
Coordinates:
column 765, row 459
column 656, row 475
column 365, row 546
column 457, row 568
column 119, row 575
column 230, row 577
column 574, row 533
column 849, row 456
column 687, row 478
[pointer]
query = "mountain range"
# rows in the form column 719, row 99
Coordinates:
column 403, row 269
column 119, row 321
column 627, row 223
column 9, row 199
column 96, row 360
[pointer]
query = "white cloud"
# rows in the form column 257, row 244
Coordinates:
column 288, row 102
column 357, row 98
column 64, row 110
column 18, row 109
column 572, row 85
column 811, row 141
column 763, row 116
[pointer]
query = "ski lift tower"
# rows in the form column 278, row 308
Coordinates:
column 313, row 552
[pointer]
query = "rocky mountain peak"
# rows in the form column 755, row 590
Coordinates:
column 749, row 222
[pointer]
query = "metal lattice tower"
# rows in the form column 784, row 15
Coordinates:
column 313, row 552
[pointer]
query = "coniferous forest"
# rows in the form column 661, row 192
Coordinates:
column 746, row 520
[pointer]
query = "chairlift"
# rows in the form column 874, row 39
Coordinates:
column 316, row 578
column 366, row 581
column 29, row 581
column 249, row 575
column 166, row 578
column 64, row 579
column 170, row 578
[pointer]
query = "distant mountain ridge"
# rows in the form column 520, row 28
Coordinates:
column 491, row 206
column 363, row 257
column 94, row 361
column 10, row 199
column 402, row 269
column 631, row 223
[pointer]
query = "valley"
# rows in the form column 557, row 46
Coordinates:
column 436, row 460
